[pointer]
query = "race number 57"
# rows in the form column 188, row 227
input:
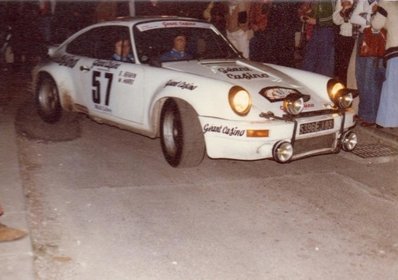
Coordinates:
column 96, row 83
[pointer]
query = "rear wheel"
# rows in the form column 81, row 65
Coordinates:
column 47, row 100
column 181, row 134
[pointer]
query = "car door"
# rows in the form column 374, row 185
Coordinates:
column 111, row 90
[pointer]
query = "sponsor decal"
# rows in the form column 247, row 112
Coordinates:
column 230, row 131
column 276, row 94
column 171, row 24
column 306, row 105
column 66, row 60
column 178, row 23
column 127, row 77
column 107, row 63
column 241, row 73
column 102, row 108
column 180, row 84
column 227, row 70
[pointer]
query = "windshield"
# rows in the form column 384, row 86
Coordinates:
column 154, row 39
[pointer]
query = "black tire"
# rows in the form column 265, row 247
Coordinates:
column 47, row 100
column 181, row 134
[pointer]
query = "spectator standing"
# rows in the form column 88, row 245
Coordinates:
column 27, row 41
column 192, row 9
column 105, row 10
column 45, row 19
column 152, row 8
column 258, row 19
column 282, row 24
column 387, row 17
column 215, row 13
column 237, row 25
column 345, row 40
column 320, row 49
column 304, row 12
column 369, row 71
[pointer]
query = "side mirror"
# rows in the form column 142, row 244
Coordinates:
column 51, row 50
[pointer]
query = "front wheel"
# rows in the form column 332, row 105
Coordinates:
column 47, row 100
column 181, row 134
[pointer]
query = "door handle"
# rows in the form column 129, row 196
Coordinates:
column 84, row 68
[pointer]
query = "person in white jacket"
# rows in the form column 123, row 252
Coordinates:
column 237, row 25
column 387, row 17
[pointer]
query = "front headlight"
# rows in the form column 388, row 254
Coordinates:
column 341, row 96
column 240, row 101
column 334, row 87
column 345, row 99
column 293, row 105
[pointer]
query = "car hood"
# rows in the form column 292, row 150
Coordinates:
column 253, row 76
column 233, row 71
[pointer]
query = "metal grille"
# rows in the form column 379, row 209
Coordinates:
column 374, row 150
column 315, row 143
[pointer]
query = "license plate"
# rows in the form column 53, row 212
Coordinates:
column 316, row 126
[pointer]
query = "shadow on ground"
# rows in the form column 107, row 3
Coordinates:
column 29, row 124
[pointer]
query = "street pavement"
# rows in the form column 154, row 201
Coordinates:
column 386, row 135
column 16, row 257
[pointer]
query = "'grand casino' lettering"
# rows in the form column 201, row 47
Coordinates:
column 182, row 85
column 247, row 74
column 234, row 131
column 231, row 131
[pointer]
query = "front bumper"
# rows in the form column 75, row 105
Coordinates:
column 230, row 139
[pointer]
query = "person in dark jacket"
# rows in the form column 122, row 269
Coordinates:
column 320, row 49
column 282, row 24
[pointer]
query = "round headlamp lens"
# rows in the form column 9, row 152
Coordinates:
column 294, row 106
column 334, row 88
column 349, row 141
column 339, row 94
column 283, row 152
column 345, row 100
column 240, row 101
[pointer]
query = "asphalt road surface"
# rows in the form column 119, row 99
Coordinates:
column 104, row 204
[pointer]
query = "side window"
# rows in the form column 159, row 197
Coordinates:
column 151, row 44
column 98, row 42
column 106, row 39
column 82, row 45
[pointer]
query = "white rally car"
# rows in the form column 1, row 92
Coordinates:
column 216, row 103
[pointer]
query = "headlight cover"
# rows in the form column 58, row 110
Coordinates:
column 345, row 99
column 293, row 101
column 340, row 95
column 240, row 101
column 293, row 104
